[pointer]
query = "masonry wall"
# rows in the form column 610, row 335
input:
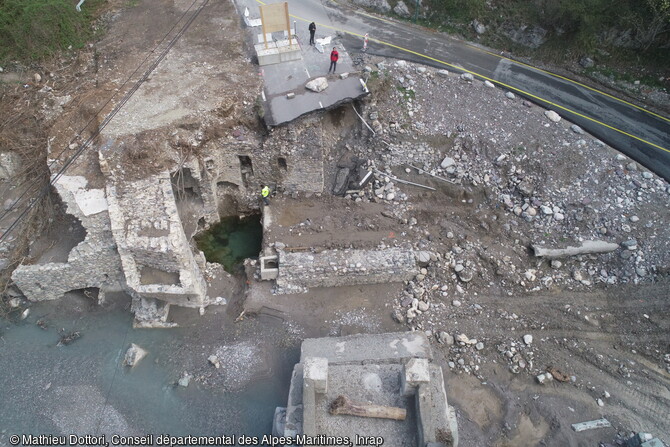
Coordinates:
column 330, row 268
column 92, row 263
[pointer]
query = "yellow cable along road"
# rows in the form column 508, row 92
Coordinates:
column 546, row 101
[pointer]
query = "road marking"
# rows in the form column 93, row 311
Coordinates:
column 381, row 42
column 593, row 89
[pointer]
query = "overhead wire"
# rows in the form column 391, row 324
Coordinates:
column 108, row 118
column 78, row 134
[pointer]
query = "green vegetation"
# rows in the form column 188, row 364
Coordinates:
column 406, row 92
column 32, row 30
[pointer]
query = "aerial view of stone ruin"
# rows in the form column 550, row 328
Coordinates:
column 433, row 224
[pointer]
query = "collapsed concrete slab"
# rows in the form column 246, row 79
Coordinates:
column 298, row 271
column 392, row 370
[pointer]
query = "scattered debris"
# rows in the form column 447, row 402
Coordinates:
column 558, row 375
column 66, row 339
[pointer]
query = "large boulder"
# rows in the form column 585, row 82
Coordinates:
column 134, row 355
column 401, row 9
column 528, row 36
column 317, row 84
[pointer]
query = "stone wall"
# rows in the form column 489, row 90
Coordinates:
column 148, row 232
column 331, row 268
column 92, row 263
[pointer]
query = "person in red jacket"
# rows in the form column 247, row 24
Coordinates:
column 334, row 56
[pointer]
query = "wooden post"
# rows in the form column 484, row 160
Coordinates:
column 263, row 29
column 342, row 405
column 288, row 23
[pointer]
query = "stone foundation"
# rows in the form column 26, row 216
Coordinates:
column 297, row 272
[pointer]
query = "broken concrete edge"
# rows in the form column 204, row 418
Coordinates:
column 587, row 247
column 266, row 109
column 393, row 347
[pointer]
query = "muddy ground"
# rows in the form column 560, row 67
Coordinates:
column 509, row 177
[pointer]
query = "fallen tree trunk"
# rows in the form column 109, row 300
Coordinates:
column 587, row 247
column 342, row 405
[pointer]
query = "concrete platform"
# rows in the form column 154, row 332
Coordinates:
column 392, row 370
column 382, row 348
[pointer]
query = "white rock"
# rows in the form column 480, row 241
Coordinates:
column 133, row 355
column 462, row 338
column 184, row 380
column 443, row 73
column 25, row 314
column 467, row 77
column 480, row 28
column 528, row 339
column 479, row 346
column 37, row 78
column 423, row 306
column 634, row 218
column 317, row 84
column 600, row 402
column 559, row 216
column 214, row 360
column 546, row 210
column 448, row 161
column 456, row 303
column 510, row 95
column 445, row 337
column 489, row 84
column 553, row 116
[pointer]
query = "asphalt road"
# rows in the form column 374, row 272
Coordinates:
column 642, row 135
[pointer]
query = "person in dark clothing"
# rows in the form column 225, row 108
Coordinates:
column 334, row 56
column 312, row 30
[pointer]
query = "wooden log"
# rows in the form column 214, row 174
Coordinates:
column 342, row 405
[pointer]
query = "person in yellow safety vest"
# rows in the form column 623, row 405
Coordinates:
column 265, row 192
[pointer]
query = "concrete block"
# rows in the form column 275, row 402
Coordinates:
column 316, row 373
column 415, row 373
column 424, row 411
column 269, row 267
